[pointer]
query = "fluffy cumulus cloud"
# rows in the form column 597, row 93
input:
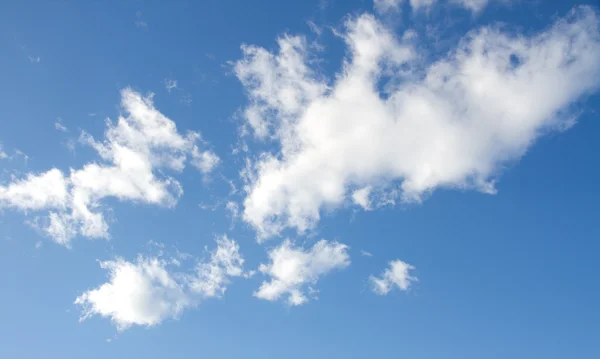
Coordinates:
column 393, row 125
column 396, row 276
column 294, row 270
column 149, row 290
column 135, row 151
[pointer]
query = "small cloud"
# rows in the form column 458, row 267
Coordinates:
column 139, row 22
column 396, row 276
column 365, row 253
column 92, row 114
column 3, row 154
column 59, row 126
column 170, row 84
column 38, row 244
column 205, row 161
column 187, row 99
column 34, row 59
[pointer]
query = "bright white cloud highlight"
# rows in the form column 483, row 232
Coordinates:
column 135, row 152
column 396, row 276
column 453, row 123
column 293, row 270
column 148, row 291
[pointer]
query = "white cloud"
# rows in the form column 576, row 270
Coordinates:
column 3, row 154
column 293, row 268
column 35, row 192
column 365, row 253
column 383, row 6
column 361, row 197
column 59, row 126
column 453, row 123
column 474, row 6
column 205, row 161
column 135, row 151
column 147, row 291
column 34, row 59
column 170, row 84
column 211, row 278
column 396, row 276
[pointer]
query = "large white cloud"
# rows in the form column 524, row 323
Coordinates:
column 293, row 268
column 450, row 123
column 135, row 151
column 150, row 289
column 396, row 276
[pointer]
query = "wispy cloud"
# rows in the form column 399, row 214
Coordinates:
column 58, row 125
column 170, row 84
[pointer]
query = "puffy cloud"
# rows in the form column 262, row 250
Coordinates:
column 205, row 161
column 397, row 275
column 361, row 197
column 135, row 151
column 292, row 268
column 148, row 291
column 399, row 125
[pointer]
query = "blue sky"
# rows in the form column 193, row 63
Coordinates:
column 412, row 179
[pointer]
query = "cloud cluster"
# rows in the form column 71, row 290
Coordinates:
column 393, row 125
column 396, row 276
column 293, row 268
column 135, row 151
column 149, row 290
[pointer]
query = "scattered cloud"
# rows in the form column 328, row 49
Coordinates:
column 293, row 270
column 58, row 125
column 135, row 152
column 34, row 59
column 361, row 198
column 400, row 125
column 149, row 290
column 365, row 253
column 205, row 161
column 3, row 154
column 396, row 276
column 170, row 84
column 139, row 22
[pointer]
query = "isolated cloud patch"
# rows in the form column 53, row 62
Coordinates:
column 150, row 290
column 134, row 151
column 396, row 276
column 294, row 270
column 451, row 123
